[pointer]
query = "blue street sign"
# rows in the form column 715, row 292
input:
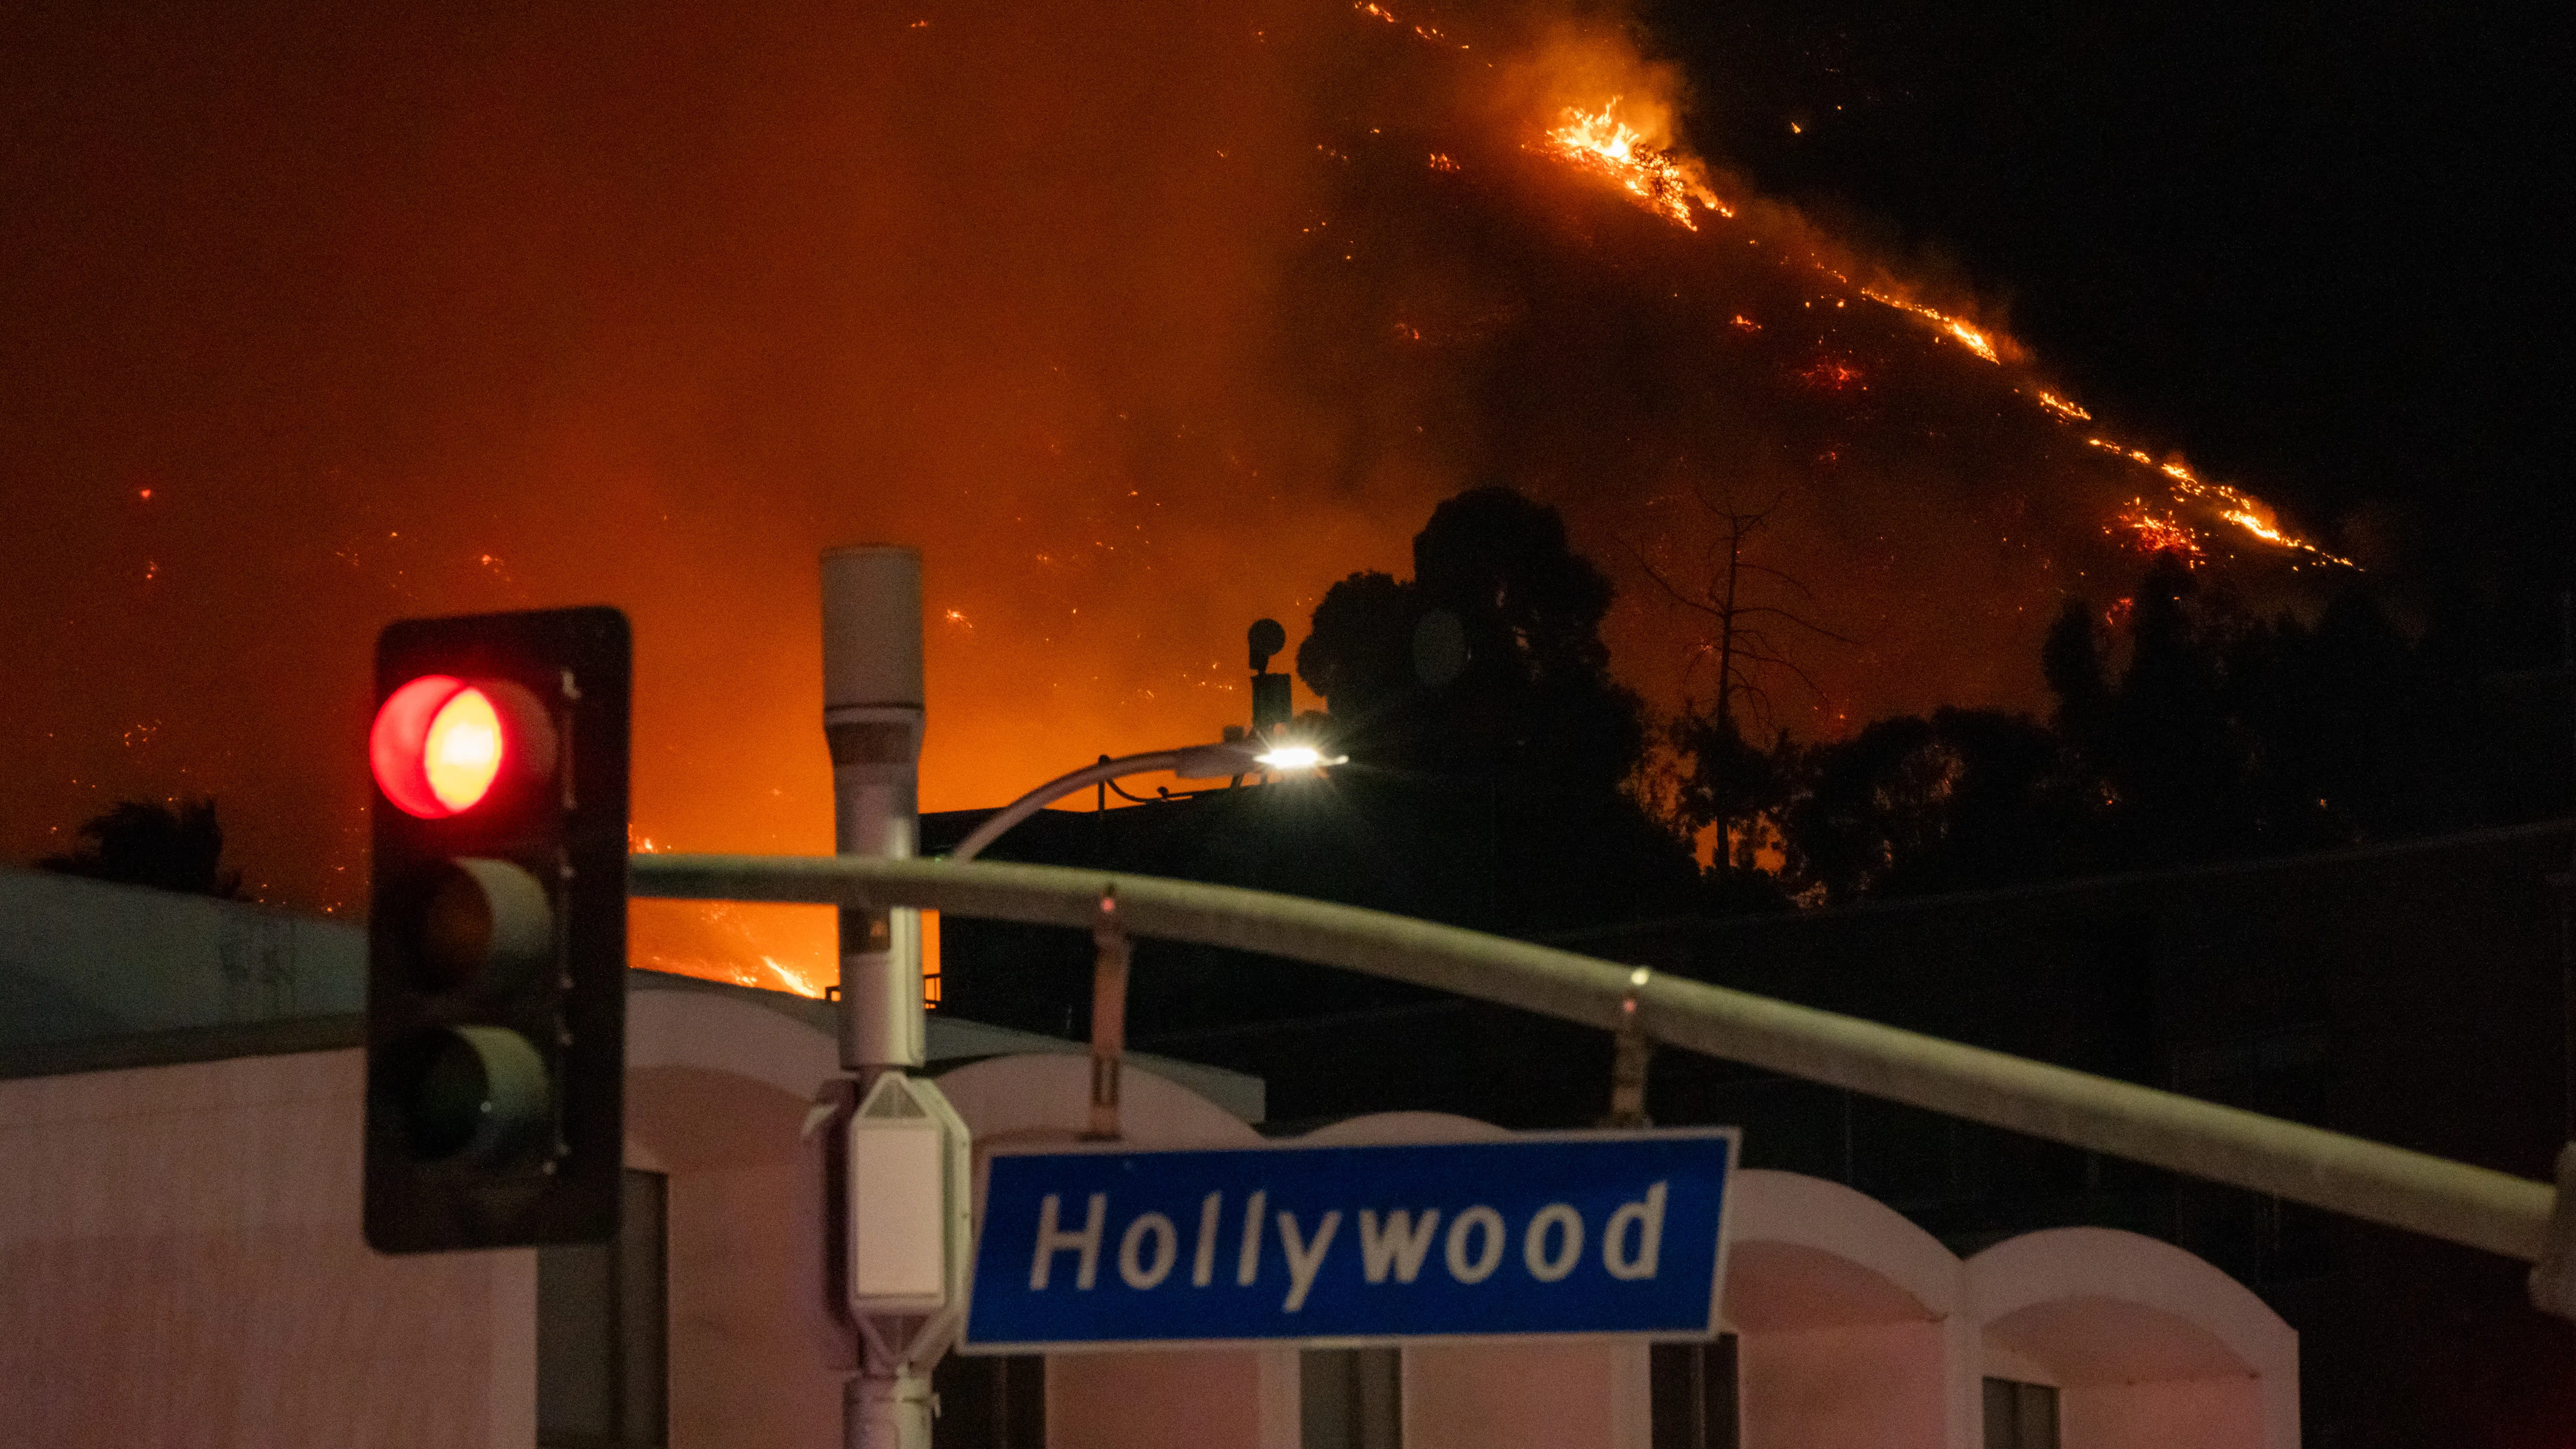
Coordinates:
column 1538, row 1234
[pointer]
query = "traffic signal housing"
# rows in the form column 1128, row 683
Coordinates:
column 496, row 934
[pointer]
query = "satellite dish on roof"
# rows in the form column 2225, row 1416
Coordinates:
column 1439, row 648
column 1266, row 638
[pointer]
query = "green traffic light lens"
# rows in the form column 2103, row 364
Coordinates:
column 476, row 1091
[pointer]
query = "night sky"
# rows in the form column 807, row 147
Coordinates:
column 318, row 316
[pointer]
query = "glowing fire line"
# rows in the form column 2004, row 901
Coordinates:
column 1666, row 183
column 1669, row 184
column 1976, row 341
column 2231, row 505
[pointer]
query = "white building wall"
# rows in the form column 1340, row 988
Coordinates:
column 181, row 1264
column 1526, row 1396
column 2145, row 1343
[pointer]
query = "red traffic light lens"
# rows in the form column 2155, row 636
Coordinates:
column 462, row 752
column 439, row 743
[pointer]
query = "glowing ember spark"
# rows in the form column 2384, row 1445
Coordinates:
column 1666, row 183
column 2068, row 411
column 2150, row 532
column 1831, row 374
column 1426, row 32
column 1977, row 342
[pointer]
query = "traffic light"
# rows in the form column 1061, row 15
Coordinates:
column 496, row 934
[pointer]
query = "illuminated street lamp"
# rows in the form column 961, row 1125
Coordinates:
column 1197, row 762
column 1268, row 747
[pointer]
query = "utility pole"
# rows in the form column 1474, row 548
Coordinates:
column 872, row 719
column 895, row 1270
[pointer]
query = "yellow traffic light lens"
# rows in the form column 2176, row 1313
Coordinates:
column 461, row 755
column 483, row 923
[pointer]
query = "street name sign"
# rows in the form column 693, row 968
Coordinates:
column 1538, row 1234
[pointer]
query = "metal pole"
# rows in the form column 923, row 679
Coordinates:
column 2476, row 1206
column 872, row 719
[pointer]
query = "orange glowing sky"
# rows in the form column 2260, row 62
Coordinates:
column 1141, row 322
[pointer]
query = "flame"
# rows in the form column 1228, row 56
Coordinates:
column 2150, row 532
column 1667, row 183
column 2233, row 506
column 1427, row 32
column 1976, row 340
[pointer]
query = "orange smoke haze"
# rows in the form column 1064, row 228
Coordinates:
column 1141, row 322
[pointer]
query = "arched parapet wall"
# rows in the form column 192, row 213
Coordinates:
column 712, row 1082
column 1851, row 1258
column 2233, row 1330
column 1848, row 1322
column 2146, row 1343
column 1404, row 1127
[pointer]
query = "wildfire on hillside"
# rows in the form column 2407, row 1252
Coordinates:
column 1668, row 183
column 1975, row 339
column 1254, row 343
column 2150, row 532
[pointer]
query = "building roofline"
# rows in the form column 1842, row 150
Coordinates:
column 2037, row 890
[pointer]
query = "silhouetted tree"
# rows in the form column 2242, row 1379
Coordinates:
column 1534, row 698
column 1504, row 767
column 1358, row 651
column 1961, row 800
column 1723, row 780
column 170, row 848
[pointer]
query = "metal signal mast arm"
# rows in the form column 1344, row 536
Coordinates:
column 2500, row 1213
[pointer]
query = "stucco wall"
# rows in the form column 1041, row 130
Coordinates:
column 181, row 1264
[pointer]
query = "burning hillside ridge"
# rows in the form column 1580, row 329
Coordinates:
column 1566, row 298
column 1141, row 322
column 1644, row 161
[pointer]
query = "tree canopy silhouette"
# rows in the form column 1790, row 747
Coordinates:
column 139, row 842
column 2186, row 729
column 1534, row 698
column 1484, row 729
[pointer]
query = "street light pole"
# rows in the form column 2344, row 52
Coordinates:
column 873, row 720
